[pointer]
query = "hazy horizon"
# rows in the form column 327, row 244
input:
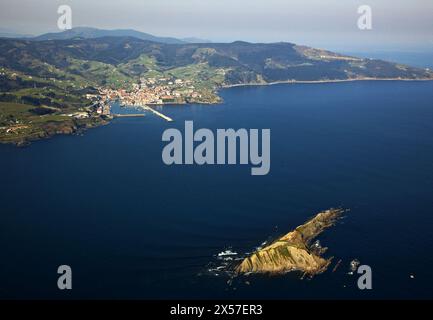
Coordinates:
column 397, row 25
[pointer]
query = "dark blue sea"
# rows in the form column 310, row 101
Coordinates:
column 131, row 227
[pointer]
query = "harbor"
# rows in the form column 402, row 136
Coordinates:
column 145, row 107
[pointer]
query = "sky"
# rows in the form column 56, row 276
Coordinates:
column 332, row 24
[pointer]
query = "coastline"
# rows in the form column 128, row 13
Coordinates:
column 26, row 140
column 63, row 129
column 319, row 81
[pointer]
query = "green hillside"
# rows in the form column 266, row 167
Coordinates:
column 47, row 81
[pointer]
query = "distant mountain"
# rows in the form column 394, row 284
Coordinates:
column 91, row 33
column 196, row 40
column 9, row 33
column 14, row 35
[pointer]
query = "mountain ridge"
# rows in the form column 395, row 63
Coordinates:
column 243, row 62
column 91, row 33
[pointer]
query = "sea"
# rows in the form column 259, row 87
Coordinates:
column 130, row 227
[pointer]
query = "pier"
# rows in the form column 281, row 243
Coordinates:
column 128, row 115
column 159, row 114
column 133, row 115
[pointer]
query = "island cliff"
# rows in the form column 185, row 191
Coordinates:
column 294, row 251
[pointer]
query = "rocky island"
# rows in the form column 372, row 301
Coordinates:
column 294, row 251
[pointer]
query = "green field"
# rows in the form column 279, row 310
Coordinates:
column 19, row 125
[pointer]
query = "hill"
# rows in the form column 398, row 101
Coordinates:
column 91, row 33
column 242, row 62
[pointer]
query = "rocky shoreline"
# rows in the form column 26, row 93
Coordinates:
column 51, row 129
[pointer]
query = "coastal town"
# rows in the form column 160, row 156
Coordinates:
column 154, row 91
column 147, row 92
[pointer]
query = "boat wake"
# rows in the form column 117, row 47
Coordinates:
column 225, row 262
